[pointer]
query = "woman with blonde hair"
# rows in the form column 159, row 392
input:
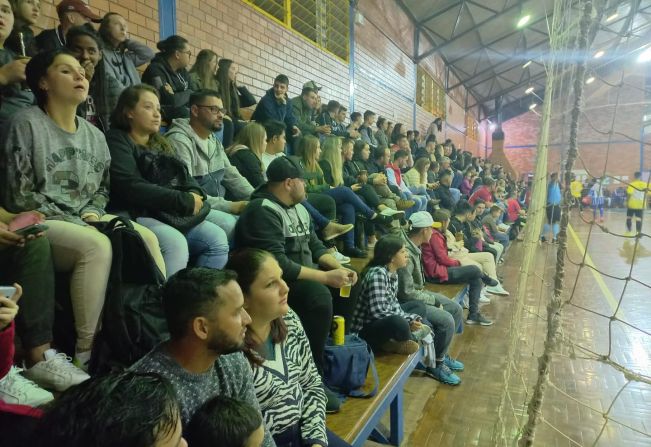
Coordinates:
column 348, row 203
column 204, row 71
column 246, row 153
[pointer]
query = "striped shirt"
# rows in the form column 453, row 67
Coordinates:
column 288, row 387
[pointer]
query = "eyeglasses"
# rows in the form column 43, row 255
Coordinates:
column 189, row 52
column 214, row 109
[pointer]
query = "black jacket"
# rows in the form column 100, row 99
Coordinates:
column 131, row 192
column 49, row 39
column 249, row 165
column 284, row 231
column 13, row 41
column 443, row 194
column 159, row 73
column 352, row 168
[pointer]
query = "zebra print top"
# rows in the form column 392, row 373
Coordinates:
column 288, row 387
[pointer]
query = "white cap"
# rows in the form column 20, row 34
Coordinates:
column 423, row 219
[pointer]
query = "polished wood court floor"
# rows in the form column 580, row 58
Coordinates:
column 586, row 398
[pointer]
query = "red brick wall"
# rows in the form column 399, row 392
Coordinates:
column 384, row 75
column 604, row 106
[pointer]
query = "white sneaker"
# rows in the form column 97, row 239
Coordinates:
column 497, row 290
column 483, row 298
column 397, row 215
column 15, row 389
column 56, row 372
column 341, row 259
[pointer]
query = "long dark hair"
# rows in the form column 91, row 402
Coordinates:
column 385, row 249
column 397, row 132
column 103, row 30
column 173, row 43
column 98, row 88
column 127, row 101
column 227, row 88
column 200, row 69
column 247, row 264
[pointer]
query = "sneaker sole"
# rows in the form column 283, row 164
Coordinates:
column 337, row 234
column 477, row 323
column 446, row 382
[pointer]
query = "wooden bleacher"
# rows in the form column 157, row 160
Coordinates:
column 359, row 418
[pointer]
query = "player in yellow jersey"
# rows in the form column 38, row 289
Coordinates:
column 637, row 193
column 576, row 186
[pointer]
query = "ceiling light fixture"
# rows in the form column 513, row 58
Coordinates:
column 529, row 91
column 533, row 106
column 645, row 56
column 590, row 80
column 599, row 54
column 523, row 21
column 527, row 64
column 612, row 17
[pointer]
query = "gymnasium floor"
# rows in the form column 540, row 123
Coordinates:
column 467, row 415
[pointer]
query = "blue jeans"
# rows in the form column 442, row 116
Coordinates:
column 206, row 244
column 502, row 238
column 320, row 221
column 456, row 195
column 225, row 221
column 421, row 202
column 349, row 203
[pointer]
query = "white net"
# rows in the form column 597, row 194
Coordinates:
column 579, row 362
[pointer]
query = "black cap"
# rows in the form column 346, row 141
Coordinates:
column 283, row 168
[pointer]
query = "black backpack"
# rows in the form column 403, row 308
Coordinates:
column 132, row 321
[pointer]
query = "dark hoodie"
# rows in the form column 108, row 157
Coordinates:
column 158, row 73
column 269, row 108
column 284, row 231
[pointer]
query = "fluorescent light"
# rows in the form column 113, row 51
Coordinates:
column 645, row 56
column 529, row 91
column 533, row 106
column 590, row 80
column 599, row 53
column 612, row 17
column 523, row 21
column 526, row 64
column 492, row 127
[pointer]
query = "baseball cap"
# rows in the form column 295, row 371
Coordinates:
column 78, row 6
column 312, row 85
column 283, row 168
column 423, row 219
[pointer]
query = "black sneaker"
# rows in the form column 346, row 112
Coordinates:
column 382, row 219
column 554, row 241
column 489, row 281
column 478, row 319
column 354, row 252
column 543, row 239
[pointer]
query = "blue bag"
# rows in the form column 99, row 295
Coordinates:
column 346, row 367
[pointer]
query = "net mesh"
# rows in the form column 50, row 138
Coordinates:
column 557, row 323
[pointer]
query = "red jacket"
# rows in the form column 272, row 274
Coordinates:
column 435, row 257
column 482, row 193
column 396, row 169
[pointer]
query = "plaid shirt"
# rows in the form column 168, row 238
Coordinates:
column 378, row 299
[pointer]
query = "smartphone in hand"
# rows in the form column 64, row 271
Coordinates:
column 7, row 291
column 31, row 230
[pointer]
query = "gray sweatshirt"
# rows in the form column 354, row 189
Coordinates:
column 61, row 174
column 230, row 376
column 208, row 164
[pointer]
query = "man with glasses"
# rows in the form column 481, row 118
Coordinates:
column 195, row 144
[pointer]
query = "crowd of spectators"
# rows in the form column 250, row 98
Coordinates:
column 253, row 273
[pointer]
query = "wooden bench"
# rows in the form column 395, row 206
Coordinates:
column 455, row 292
column 359, row 418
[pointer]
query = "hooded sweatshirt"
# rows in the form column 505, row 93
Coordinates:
column 44, row 168
column 411, row 279
column 270, row 108
column 284, row 231
column 158, row 73
column 208, row 164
